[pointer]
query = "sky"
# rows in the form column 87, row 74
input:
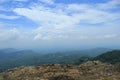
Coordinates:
column 59, row 24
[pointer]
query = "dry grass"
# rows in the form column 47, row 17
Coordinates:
column 91, row 70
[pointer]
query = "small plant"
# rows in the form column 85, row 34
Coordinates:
column 1, row 77
column 108, row 79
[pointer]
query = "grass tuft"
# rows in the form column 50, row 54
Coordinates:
column 1, row 77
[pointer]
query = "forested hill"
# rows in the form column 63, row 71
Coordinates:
column 109, row 57
column 92, row 68
column 112, row 57
column 10, row 58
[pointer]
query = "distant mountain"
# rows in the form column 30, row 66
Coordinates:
column 8, row 50
column 69, row 56
column 10, row 58
column 5, row 53
column 16, row 58
column 96, row 51
column 109, row 57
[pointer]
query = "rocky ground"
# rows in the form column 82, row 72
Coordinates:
column 91, row 70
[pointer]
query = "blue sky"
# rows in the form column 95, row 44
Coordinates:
column 59, row 24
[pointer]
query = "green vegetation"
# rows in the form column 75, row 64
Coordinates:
column 108, row 79
column 61, row 77
column 10, row 58
column 112, row 57
column 1, row 77
column 26, row 58
column 81, row 60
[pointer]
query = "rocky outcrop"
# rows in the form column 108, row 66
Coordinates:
column 91, row 70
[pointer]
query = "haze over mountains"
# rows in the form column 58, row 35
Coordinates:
column 92, row 69
column 10, row 58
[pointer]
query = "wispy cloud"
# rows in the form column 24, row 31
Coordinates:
column 21, row 0
column 110, row 5
column 8, row 17
column 47, row 1
column 59, row 19
column 2, row 1
column 78, row 23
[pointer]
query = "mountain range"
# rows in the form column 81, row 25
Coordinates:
column 10, row 58
column 105, row 66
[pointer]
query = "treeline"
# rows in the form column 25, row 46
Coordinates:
column 29, row 58
column 112, row 57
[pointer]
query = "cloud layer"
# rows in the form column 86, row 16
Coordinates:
column 62, row 24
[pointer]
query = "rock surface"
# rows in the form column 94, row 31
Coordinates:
column 91, row 70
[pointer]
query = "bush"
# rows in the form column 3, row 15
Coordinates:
column 61, row 77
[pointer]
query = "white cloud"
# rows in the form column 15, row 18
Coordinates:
column 47, row 16
column 8, row 17
column 110, row 36
column 45, row 37
column 73, row 23
column 63, row 22
column 71, row 14
column 21, row 0
column 7, row 35
column 47, row 1
column 1, row 25
column 52, row 23
column 92, row 14
column 3, row 1
column 110, row 5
